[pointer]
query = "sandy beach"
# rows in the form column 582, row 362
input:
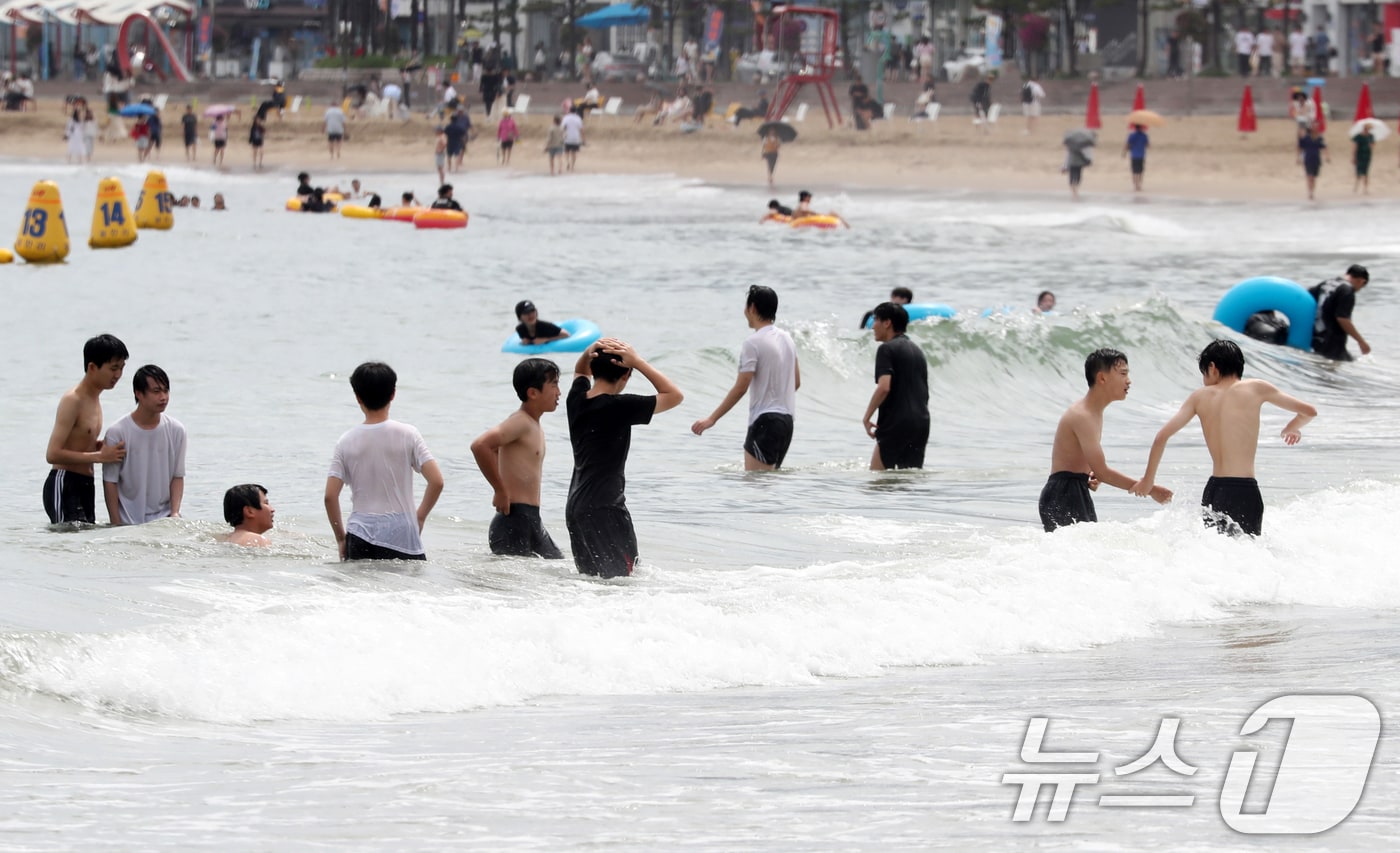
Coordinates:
column 1200, row 157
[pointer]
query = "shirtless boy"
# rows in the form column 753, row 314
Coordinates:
column 70, row 492
column 1077, row 462
column 511, row 458
column 246, row 509
column 1228, row 407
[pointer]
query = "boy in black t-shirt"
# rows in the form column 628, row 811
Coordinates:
column 533, row 330
column 601, row 418
column 1336, row 299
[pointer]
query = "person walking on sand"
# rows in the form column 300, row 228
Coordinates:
column 771, row 144
column 1077, row 157
column 1312, row 149
column 507, row 131
column 1228, row 407
column 141, row 132
column 189, row 124
column 1032, row 94
column 335, row 128
column 1135, row 149
column 257, row 133
column 73, row 135
column 554, row 145
column 573, row 138
column 220, row 134
column 440, row 153
column 1362, row 145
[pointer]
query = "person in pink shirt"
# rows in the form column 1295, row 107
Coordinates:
column 506, row 134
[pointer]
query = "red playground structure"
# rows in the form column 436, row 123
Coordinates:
column 806, row 39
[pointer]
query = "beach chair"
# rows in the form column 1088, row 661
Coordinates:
column 612, row 106
column 159, row 102
column 296, row 103
column 932, row 110
column 522, row 104
column 889, row 111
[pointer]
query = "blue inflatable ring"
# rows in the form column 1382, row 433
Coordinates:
column 582, row 333
column 1270, row 293
column 919, row 311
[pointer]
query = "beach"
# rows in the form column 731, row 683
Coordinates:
column 819, row 658
column 1201, row 157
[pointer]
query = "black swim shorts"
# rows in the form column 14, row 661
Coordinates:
column 507, row 144
column 359, row 549
column 572, row 146
column 1075, row 173
column 1066, row 500
column 902, row 448
column 335, row 137
column 70, row 497
column 522, row 534
column 768, row 438
column 1138, row 163
column 1233, row 505
column 603, row 540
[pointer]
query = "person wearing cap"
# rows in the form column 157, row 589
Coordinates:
column 1336, row 298
column 444, row 200
column 533, row 330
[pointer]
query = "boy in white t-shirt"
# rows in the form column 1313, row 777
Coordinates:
column 376, row 460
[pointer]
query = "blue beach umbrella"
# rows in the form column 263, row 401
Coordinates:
column 132, row 110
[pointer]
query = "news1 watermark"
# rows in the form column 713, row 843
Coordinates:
column 1319, row 780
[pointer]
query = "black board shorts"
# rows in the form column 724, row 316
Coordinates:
column 1138, row 163
column 604, row 542
column 769, row 437
column 1075, row 174
column 1066, row 500
column 522, row 534
column 1233, row 505
column 70, row 497
column 358, row 549
column 902, row 447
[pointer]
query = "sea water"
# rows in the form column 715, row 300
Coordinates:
column 818, row 658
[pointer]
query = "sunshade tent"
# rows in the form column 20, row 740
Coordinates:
column 616, row 15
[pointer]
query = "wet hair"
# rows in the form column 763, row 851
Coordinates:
column 1042, row 295
column 903, row 293
column 803, row 196
column 533, row 373
column 1358, row 271
column 1102, row 361
column 102, row 349
column 374, row 200
column 764, row 301
column 408, row 196
column 606, row 366
column 145, row 374
column 236, row 498
column 898, row 317
column 374, row 383
column 773, row 204
column 1225, row 355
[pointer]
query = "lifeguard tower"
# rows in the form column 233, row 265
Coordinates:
column 805, row 40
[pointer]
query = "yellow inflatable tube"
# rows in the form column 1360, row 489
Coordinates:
column 6, row 256
column 359, row 211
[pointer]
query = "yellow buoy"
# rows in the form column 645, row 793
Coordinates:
column 112, row 224
column 6, row 256
column 153, row 208
column 43, row 236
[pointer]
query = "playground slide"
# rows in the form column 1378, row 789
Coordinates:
column 124, row 50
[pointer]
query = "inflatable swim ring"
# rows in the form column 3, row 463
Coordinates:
column 776, row 217
column 359, row 211
column 922, row 311
column 820, row 221
column 440, row 219
column 402, row 214
column 582, row 333
column 1270, row 293
column 294, row 204
column 6, row 256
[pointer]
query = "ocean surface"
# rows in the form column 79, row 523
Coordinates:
column 821, row 658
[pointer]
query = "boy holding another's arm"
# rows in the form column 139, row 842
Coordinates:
column 70, row 492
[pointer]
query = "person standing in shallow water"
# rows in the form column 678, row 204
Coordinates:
column 1312, row 150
